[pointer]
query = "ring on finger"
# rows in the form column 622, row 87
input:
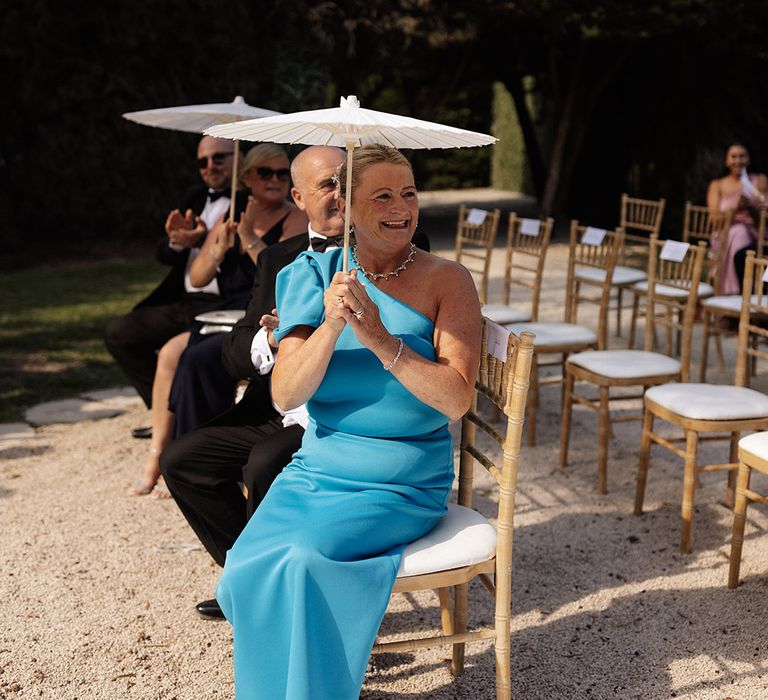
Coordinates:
column 359, row 312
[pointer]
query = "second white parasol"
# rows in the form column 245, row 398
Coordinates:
column 349, row 126
column 198, row 118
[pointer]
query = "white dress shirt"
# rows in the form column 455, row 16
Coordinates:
column 212, row 212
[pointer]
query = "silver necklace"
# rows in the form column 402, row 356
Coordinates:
column 384, row 275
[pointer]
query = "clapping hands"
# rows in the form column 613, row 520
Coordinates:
column 184, row 230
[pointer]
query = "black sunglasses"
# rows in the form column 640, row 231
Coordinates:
column 216, row 159
column 266, row 173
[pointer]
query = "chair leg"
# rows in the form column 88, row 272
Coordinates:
column 533, row 400
column 733, row 458
column 459, row 625
column 602, row 449
column 689, row 487
column 704, row 346
column 633, row 321
column 719, row 348
column 620, row 298
column 503, row 651
column 565, row 428
column 446, row 610
column 645, row 453
column 668, row 331
column 739, row 520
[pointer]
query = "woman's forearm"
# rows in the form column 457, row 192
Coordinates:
column 204, row 267
column 301, row 366
column 434, row 383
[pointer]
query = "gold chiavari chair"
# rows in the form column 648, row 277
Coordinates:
column 611, row 369
column 465, row 544
column 708, row 412
column 640, row 219
column 527, row 244
column 555, row 341
column 475, row 234
column 717, row 310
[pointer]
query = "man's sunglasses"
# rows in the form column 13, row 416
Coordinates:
column 266, row 173
column 216, row 159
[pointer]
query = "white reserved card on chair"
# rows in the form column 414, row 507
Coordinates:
column 476, row 217
column 674, row 251
column 529, row 227
column 498, row 338
column 593, row 236
column 765, row 276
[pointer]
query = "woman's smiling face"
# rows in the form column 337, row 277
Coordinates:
column 385, row 203
column 736, row 158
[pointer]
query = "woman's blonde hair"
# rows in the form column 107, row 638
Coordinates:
column 257, row 155
column 366, row 156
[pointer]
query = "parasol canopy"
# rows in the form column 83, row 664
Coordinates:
column 197, row 118
column 350, row 126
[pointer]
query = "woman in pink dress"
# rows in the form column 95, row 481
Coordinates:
column 744, row 194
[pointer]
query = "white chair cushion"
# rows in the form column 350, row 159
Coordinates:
column 505, row 314
column 556, row 334
column 756, row 444
column 624, row 364
column 621, row 275
column 663, row 290
column 710, row 401
column 730, row 302
column 463, row 537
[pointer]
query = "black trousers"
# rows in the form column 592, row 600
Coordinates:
column 740, row 261
column 134, row 339
column 202, row 470
column 202, row 389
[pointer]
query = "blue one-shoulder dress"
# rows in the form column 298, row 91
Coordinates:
column 307, row 582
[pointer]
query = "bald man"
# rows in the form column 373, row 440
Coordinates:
column 135, row 338
column 252, row 442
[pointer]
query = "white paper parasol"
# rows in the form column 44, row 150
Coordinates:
column 350, row 126
column 197, row 118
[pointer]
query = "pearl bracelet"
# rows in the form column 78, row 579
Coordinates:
column 389, row 366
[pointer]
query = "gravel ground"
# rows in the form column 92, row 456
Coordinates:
column 97, row 588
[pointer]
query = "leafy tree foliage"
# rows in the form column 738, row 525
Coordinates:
column 629, row 96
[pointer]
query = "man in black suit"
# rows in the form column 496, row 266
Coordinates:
column 134, row 339
column 252, row 442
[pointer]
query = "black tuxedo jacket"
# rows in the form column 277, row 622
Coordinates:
column 172, row 287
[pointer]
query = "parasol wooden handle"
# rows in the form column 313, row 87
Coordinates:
column 234, row 181
column 348, row 204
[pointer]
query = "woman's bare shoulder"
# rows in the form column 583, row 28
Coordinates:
column 443, row 266
column 446, row 275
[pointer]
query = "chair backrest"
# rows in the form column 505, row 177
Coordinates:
column 475, row 235
column 700, row 225
column 527, row 243
column 639, row 219
column 589, row 252
column 753, row 333
column 761, row 232
column 678, row 265
column 505, row 367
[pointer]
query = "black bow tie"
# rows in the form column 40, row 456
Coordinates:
column 213, row 196
column 319, row 245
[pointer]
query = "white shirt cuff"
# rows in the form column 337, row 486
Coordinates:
column 262, row 356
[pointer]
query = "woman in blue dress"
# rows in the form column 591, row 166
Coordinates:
column 383, row 357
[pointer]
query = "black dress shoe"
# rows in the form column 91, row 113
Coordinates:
column 210, row 609
column 142, row 432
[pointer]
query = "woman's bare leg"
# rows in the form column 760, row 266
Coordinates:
column 162, row 418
